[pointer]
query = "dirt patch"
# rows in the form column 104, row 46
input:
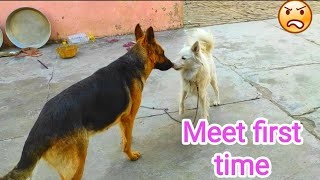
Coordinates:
column 207, row 13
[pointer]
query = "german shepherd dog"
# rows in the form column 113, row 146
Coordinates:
column 112, row 95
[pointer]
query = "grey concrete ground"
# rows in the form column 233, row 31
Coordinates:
column 263, row 71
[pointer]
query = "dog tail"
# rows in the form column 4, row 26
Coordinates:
column 29, row 158
column 19, row 173
column 205, row 38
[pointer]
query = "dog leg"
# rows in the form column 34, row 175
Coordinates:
column 82, row 160
column 68, row 155
column 215, row 87
column 204, row 104
column 126, row 125
column 126, row 122
column 182, row 102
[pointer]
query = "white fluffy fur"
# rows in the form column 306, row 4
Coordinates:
column 198, row 69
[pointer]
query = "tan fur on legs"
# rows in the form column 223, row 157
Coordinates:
column 68, row 155
column 126, row 122
column 82, row 154
column 126, row 125
column 182, row 102
column 204, row 104
column 215, row 87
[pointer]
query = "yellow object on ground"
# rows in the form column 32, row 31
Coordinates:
column 91, row 37
column 67, row 50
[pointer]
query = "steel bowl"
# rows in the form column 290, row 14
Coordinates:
column 28, row 27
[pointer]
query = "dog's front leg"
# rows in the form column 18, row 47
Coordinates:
column 182, row 103
column 126, row 122
column 204, row 104
column 126, row 125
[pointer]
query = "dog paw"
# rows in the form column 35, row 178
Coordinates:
column 216, row 103
column 134, row 155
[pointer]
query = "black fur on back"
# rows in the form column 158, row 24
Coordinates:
column 92, row 104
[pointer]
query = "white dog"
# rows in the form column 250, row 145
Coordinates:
column 198, row 70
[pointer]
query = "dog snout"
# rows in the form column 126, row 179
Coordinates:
column 165, row 65
column 177, row 65
column 169, row 62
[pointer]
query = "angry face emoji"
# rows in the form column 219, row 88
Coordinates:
column 295, row 16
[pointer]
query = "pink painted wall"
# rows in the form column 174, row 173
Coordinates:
column 102, row 18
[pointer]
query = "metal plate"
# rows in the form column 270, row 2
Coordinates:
column 28, row 27
column 1, row 38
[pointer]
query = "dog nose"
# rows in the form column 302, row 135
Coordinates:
column 175, row 67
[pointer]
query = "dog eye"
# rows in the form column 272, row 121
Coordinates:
column 183, row 58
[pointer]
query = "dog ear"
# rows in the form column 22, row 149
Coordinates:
column 150, row 36
column 195, row 47
column 138, row 32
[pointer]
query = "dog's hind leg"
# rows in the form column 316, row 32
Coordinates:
column 82, row 154
column 182, row 102
column 68, row 155
column 215, row 87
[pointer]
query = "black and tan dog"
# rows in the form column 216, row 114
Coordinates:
column 109, row 96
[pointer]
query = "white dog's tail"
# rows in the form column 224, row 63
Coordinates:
column 205, row 38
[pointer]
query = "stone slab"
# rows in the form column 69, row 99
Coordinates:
column 297, row 89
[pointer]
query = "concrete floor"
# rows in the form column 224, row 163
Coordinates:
column 263, row 71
